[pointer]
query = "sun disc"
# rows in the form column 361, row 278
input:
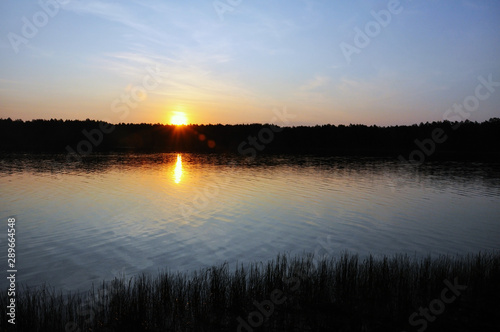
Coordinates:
column 179, row 119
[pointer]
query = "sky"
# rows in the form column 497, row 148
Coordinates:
column 250, row 61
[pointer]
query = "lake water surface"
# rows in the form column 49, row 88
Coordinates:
column 123, row 214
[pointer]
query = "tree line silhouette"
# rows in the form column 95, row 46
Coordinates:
column 442, row 139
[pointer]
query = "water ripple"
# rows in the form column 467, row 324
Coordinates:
column 124, row 214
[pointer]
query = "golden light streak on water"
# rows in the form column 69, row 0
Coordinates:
column 178, row 169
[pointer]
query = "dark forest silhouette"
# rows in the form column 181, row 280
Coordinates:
column 434, row 140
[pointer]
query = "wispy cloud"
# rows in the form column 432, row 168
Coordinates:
column 313, row 84
column 113, row 12
column 190, row 80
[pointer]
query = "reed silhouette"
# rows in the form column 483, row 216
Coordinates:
column 342, row 293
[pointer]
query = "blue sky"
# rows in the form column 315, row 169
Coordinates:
column 239, row 63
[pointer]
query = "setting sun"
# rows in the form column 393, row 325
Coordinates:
column 179, row 119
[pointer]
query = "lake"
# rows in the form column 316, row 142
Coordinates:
column 122, row 214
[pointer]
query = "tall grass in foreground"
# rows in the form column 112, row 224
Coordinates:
column 338, row 294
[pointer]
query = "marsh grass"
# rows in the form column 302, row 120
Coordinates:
column 344, row 293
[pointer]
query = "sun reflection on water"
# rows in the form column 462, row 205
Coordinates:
column 178, row 169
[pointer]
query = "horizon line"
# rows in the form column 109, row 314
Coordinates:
column 247, row 124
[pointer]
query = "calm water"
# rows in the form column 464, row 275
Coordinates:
column 124, row 214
